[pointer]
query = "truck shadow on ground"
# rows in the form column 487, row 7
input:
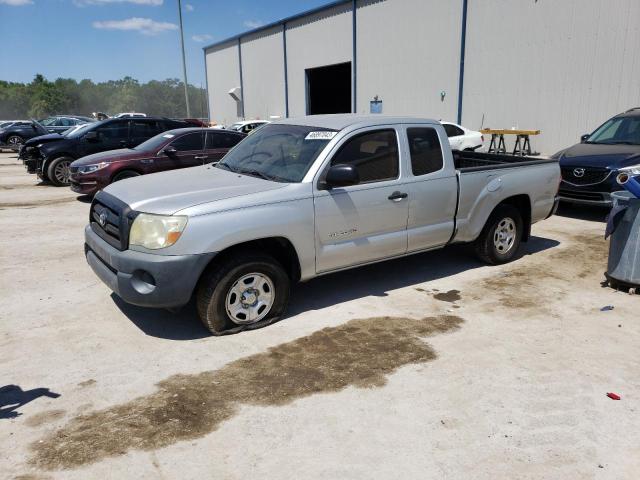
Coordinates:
column 12, row 397
column 372, row 280
column 583, row 212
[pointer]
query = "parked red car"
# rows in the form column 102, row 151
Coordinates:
column 180, row 148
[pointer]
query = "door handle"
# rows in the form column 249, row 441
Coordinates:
column 397, row 196
column 201, row 157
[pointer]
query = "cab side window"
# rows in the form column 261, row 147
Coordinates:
column 425, row 151
column 374, row 154
column 189, row 142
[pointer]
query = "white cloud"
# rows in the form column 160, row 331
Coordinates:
column 146, row 26
column 253, row 23
column 16, row 3
column 188, row 7
column 83, row 3
column 202, row 38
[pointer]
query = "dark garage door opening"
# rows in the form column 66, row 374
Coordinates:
column 329, row 89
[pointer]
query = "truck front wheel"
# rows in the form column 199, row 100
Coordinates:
column 500, row 238
column 242, row 292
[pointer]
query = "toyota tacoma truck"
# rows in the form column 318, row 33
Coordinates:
column 306, row 197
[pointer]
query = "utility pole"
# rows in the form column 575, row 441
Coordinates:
column 184, row 61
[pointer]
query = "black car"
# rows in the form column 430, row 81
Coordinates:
column 62, row 123
column 51, row 158
column 18, row 132
column 589, row 169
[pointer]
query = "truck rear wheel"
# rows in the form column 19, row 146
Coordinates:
column 500, row 238
column 243, row 292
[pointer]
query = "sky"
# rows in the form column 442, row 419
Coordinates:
column 110, row 39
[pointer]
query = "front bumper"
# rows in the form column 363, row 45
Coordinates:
column 83, row 186
column 583, row 197
column 145, row 279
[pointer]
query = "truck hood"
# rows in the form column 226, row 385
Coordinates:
column 599, row 155
column 111, row 156
column 169, row 192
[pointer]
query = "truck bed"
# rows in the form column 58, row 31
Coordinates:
column 485, row 179
column 476, row 162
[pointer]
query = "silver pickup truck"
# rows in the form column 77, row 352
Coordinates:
column 305, row 197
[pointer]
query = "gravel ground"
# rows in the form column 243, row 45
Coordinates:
column 434, row 366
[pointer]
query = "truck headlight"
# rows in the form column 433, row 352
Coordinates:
column 92, row 168
column 633, row 170
column 156, row 231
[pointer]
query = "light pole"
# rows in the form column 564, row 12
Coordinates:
column 184, row 61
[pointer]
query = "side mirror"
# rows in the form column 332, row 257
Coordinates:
column 170, row 151
column 341, row 176
column 91, row 136
column 584, row 137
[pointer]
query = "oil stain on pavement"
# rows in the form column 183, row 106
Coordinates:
column 360, row 353
column 451, row 296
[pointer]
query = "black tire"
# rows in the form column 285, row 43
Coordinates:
column 489, row 246
column 125, row 174
column 217, row 282
column 15, row 140
column 58, row 171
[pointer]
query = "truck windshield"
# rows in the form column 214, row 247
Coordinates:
column 624, row 130
column 282, row 153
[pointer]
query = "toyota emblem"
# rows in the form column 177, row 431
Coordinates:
column 578, row 172
column 102, row 219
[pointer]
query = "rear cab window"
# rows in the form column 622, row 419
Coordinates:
column 425, row 150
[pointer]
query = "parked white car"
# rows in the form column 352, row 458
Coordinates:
column 247, row 126
column 461, row 138
column 131, row 114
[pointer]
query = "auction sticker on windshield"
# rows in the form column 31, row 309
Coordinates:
column 323, row 135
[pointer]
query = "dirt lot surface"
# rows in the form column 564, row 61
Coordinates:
column 434, row 366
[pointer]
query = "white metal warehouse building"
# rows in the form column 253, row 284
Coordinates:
column 561, row 66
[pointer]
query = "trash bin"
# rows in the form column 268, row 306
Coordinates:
column 624, row 249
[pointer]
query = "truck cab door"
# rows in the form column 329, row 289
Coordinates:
column 433, row 191
column 368, row 221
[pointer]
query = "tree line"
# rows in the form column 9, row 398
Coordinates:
column 41, row 98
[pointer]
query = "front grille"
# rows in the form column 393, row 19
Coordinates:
column 591, row 196
column 584, row 176
column 111, row 219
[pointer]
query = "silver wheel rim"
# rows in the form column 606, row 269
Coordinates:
column 504, row 236
column 250, row 298
column 61, row 172
column 14, row 140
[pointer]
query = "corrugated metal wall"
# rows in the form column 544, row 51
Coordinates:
column 408, row 52
column 223, row 74
column 263, row 74
column 314, row 41
column 560, row 66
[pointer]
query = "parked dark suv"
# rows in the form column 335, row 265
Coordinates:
column 589, row 168
column 51, row 160
column 18, row 132
column 181, row 148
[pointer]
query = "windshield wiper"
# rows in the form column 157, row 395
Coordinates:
column 226, row 167
column 262, row 175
